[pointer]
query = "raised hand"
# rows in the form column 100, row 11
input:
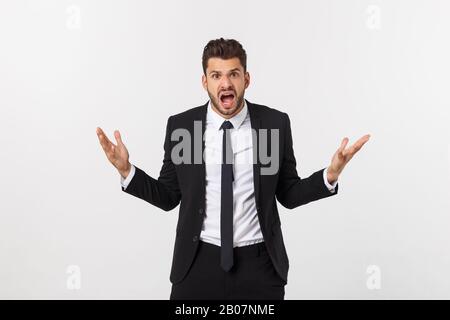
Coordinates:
column 342, row 156
column 116, row 154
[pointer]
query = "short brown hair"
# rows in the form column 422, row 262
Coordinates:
column 224, row 49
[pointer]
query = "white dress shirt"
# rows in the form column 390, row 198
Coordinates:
column 246, row 228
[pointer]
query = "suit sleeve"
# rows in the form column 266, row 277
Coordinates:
column 163, row 192
column 293, row 191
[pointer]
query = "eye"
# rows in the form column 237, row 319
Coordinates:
column 234, row 74
column 215, row 76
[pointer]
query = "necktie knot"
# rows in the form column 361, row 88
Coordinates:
column 226, row 125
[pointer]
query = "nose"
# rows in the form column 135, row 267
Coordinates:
column 225, row 83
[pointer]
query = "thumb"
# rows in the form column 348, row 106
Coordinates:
column 343, row 143
column 341, row 148
column 118, row 137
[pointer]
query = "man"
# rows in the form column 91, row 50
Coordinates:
column 229, row 243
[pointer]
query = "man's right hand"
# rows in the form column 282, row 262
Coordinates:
column 116, row 154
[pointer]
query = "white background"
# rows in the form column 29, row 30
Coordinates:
column 338, row 68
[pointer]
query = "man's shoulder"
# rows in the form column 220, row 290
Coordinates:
column 190, row 114
column 266, row 111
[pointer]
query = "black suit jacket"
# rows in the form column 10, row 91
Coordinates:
column 184, row 184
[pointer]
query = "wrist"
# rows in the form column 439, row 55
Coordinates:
column 332, row 176
column 124, row 173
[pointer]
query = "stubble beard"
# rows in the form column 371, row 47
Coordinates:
column 226, row 112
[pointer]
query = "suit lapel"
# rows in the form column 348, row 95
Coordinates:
column 200, row 171
column 255, row 121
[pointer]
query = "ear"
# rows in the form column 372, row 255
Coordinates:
column 204, row 82
column 247, row 79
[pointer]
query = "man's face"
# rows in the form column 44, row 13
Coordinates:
column 225, row 82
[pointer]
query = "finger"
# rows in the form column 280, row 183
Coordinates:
column 357, row 145
column 106, row 144
column 350, row 150
column 103, row 138
column 103, row 142
column 118, row 137
column 100, row 134
column 364, row 139
column 99, row 130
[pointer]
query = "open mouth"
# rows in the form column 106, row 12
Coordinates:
column 227, row 99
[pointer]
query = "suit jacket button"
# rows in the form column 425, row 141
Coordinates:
column 195, row 238
column 200, row 211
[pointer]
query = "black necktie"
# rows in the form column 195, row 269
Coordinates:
column 226, row 205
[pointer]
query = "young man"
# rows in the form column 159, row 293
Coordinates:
column 229, row 243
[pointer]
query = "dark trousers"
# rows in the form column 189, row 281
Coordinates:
column 252, row 276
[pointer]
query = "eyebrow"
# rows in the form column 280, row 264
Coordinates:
column 235, row 69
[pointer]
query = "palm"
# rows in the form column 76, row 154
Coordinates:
column 120, row 155
column 116, row 154
column 342, row 156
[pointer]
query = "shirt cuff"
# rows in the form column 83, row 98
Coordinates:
column 125, row 182
column 329, row 186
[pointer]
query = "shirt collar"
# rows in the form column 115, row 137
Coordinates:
column 217, row 120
